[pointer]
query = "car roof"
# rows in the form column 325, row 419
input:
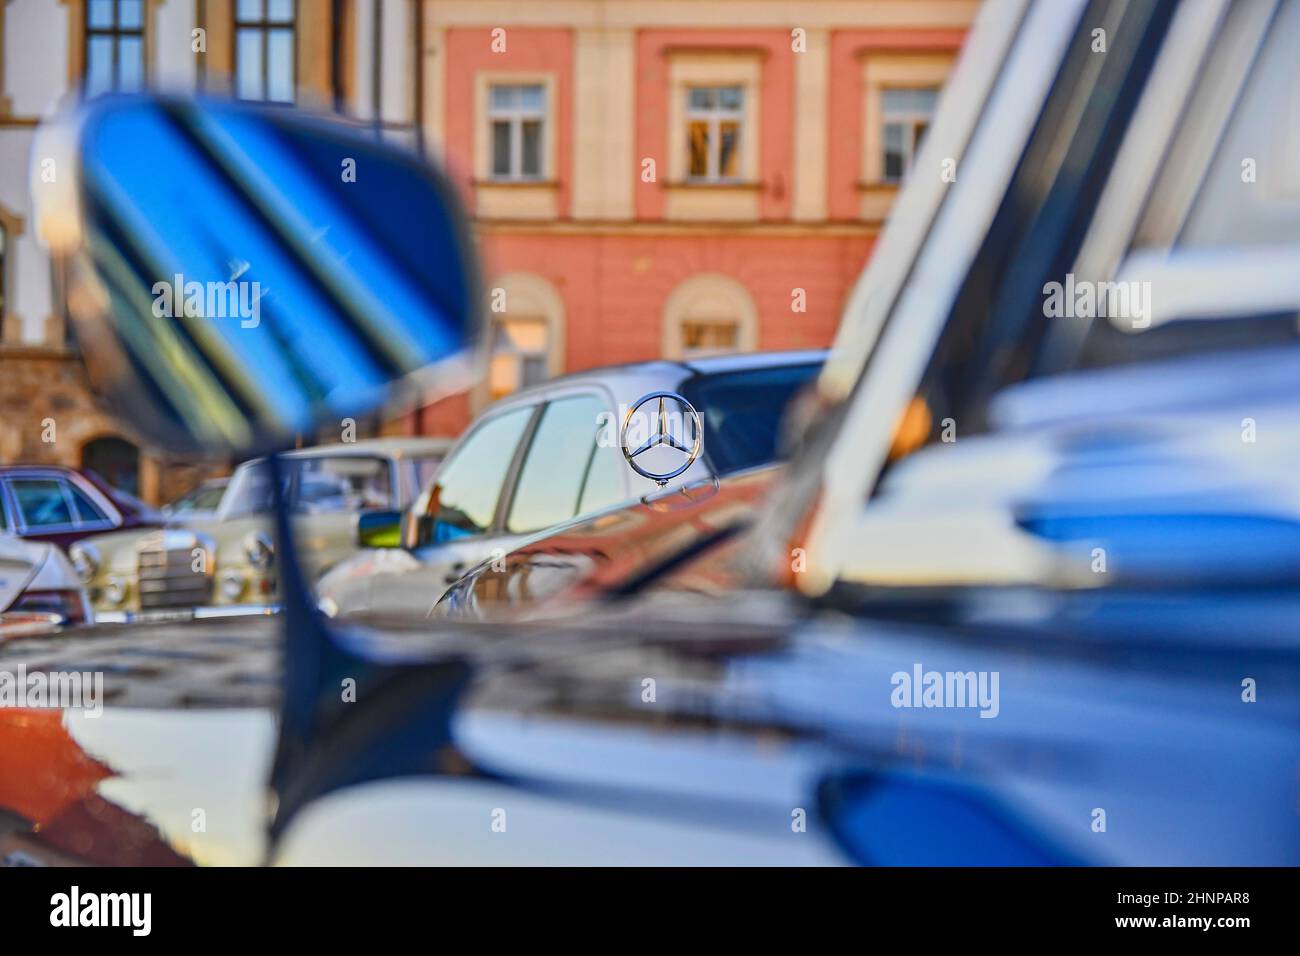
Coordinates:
column 396, row 447
column 39, row 466
column 614, row 375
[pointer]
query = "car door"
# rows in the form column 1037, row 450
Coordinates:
column 464, row 505
column 561, row 471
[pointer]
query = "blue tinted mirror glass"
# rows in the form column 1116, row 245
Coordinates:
column 241, row 275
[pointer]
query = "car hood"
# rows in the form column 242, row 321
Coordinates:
column 169, row 764
column 690, row 732
column 594, row 556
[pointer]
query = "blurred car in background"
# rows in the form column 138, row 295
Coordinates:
column 225, row 565
column 198, row 504
column 63, row 505
column 39, row 590
column 549, row 454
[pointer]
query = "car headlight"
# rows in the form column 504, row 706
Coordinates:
column 258, row 550
column 85, row 560
column 232, row 584
column 115, row 590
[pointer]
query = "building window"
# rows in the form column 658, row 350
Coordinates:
column 114, row 46
column 709, row 314
column 517, row 114
column 905, row 115
column 709, row 337
column 714, row 115
column 520, row 354
column 265, row 35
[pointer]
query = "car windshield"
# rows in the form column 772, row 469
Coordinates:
column 742, row 412
column 317, row 485
column 206, row 498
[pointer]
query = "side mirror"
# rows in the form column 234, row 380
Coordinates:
column 379, row 529
column 240, row 275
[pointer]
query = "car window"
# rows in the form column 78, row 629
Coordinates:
column 344, row 483
column 470, row 483
column 563, row 452
column 203, row 498
column 318, row 485
column 86, row 509
column 742, row 412
column 604, row 484
column 41, row 502
column 418, row 472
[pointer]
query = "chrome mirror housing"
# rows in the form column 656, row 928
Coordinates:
column 240, row 275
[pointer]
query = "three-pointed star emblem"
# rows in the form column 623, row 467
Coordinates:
column 661, row 434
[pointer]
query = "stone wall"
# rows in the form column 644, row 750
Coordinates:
column 44, row 395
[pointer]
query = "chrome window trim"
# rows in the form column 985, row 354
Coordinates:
column 1235, row 52
column 1022, row 82
column 1209, row 54
column 113, row 517
column 506, row 497
column 957, row 116
column 9, row 507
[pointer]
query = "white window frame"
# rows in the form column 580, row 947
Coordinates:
column 516, row 116
column 714, row 117
column 909, row 120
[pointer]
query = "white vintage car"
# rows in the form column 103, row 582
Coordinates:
column 39, row 590
column 225, row 565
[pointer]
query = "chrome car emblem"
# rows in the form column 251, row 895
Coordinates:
column 660, row 435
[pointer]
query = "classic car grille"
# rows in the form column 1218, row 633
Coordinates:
column 165, row 570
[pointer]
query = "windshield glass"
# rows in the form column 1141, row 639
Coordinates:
column 742, row 412
column 316, row 485
column 205, row 498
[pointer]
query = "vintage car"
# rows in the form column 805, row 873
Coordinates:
column 549, row 454
column 39, row 590
column 226, row 565
column 63, row 505
column 806, row 700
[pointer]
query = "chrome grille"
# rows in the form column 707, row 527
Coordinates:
column 165, row 570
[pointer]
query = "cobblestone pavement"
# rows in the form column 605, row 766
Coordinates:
column 218, row 663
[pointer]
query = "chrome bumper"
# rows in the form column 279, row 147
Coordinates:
column 156, row 615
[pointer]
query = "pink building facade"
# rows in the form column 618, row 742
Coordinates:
column 674, row 178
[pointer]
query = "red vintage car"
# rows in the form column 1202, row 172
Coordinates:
column 63, row 505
